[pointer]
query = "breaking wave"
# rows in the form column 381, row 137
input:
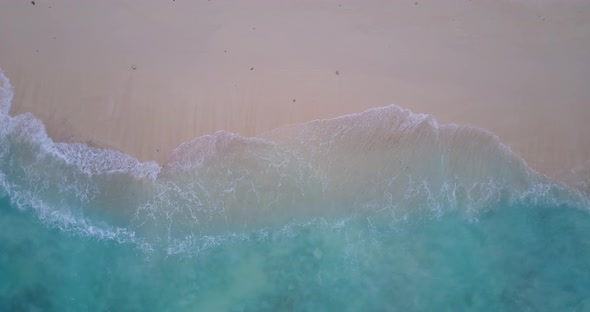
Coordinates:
column 385, row 165
column 377, row 211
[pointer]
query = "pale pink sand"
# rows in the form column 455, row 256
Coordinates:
column 519, row 68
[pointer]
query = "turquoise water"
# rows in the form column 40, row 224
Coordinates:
column 385, row 210
column 515, row 258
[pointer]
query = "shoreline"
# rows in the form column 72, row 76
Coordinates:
column 514, row 68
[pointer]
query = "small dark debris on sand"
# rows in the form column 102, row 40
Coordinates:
column 294, row 101
column 251, row 68
column 33, row 2
column 415, row 3
column 337, row 72
column 133, row 67
column 225, row 51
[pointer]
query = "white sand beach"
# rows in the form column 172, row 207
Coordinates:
column 143, row 77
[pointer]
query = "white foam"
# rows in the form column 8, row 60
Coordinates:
column 386, row 163
column 6, row 94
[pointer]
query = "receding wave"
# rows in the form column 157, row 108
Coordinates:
column 380, row 210
column 386, row 163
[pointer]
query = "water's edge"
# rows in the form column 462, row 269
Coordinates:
column 385, row 163
column 385, row 210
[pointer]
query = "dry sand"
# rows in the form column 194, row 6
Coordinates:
column 145, row 76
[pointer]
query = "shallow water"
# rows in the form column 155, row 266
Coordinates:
column 377, row 211
column 515, row 258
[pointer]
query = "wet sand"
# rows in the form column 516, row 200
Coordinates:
column 144, row 77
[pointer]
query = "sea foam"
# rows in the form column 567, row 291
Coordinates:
column 385, row 165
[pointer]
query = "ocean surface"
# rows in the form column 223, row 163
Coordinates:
column 384, row 210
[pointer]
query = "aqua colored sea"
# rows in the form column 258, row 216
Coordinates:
column 384, row 210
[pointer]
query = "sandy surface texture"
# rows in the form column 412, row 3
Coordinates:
column 145, row 76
